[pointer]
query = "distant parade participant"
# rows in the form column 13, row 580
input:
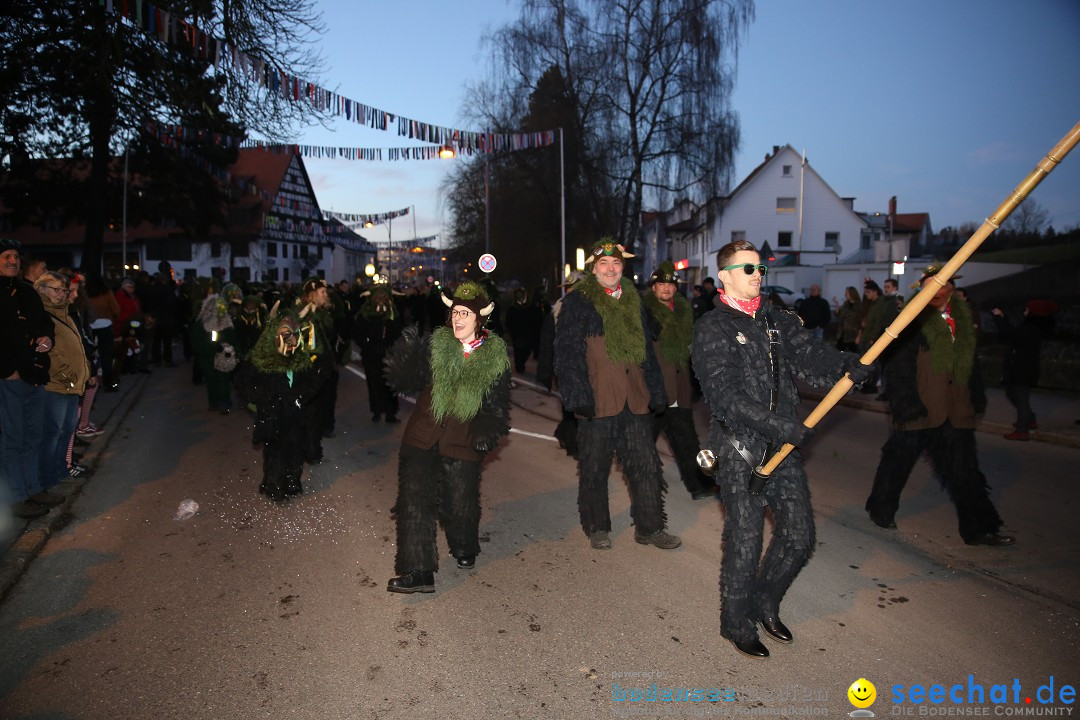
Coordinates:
column 566, row 430
column 460, row 375
column 608, row 375
column 747, row 355
column 250, row 323
column 523, row 323
column 216, row 344
column 280, row 379
column 671, row 327
column 316, row 306
column 376, row 326
column 935, row 392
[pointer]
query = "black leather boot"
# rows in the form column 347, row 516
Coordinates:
column 412, row 582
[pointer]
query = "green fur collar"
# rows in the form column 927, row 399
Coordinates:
column 459, row 383
column 624, row 337
column 676, row 327
column 948, row 355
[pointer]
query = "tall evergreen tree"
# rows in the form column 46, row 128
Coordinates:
column 84, row 84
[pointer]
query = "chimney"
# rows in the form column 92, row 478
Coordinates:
column 892, row 206
column 775, row 149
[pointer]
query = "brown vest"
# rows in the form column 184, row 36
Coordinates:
column 614, row 385
column 944, row 398
column 451, row 435
column 677, row 381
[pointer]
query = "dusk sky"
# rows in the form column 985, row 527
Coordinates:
column 946, row 104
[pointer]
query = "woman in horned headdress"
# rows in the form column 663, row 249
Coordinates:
column 461, row 377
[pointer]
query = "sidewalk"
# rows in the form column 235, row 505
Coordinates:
column 21, row 540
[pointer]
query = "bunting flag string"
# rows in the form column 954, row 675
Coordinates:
column 173, row 30
column 364, row 218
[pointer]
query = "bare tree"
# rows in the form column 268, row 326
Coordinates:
column 650, row 83
column 1027, row 220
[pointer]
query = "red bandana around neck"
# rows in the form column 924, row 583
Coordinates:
column 947, row 314
column 475, row 343
column 747, row 306
column 616, row 293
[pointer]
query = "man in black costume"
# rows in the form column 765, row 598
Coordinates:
column 609, row 377
column 671, row 328
column 375, row 328
column 746, row 355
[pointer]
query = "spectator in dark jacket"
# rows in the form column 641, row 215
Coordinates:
column 815, row 312
column 26, row 337
column 1020, row 372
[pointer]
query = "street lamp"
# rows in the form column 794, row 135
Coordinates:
column 447, row 152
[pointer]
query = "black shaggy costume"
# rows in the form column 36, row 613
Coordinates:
column 731, row 358
column 281, row 387
column 462, row 410
column 935, row 391
column 375, row 328
column 672, row 330
column 609, row 376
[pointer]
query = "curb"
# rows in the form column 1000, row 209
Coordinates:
column 29, row 541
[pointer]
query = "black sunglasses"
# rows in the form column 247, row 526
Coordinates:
column 749, row 268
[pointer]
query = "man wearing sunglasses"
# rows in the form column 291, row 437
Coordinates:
column 746, row 354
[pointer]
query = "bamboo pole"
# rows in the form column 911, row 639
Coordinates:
column 916, row 304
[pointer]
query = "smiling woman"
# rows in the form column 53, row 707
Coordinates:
column 461, row 375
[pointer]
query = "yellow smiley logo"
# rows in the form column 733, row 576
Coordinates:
column 862, row 693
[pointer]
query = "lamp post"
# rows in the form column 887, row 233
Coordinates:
column 562, row 206
column 123, row 220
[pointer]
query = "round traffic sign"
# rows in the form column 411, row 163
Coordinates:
column 487, row 262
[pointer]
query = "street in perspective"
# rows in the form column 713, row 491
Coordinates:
column 116, row 609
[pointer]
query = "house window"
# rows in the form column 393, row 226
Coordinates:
column 272, row 274
column 215, row 249
column 785, row 204
column 240, row 248
column 303, row 251
column 787, row 171
column 738, row 235
column 783, row 239
column 831, row 238
column 285, row 274
column 271, row 249
column 320, row 252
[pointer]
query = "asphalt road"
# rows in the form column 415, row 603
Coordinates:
column 250, row 609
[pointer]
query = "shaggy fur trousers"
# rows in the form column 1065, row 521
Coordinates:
column 433, row 488
column 752, row 586
column 677, row 424
column 283, row 464
column 630, row 438
column 953, row 458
